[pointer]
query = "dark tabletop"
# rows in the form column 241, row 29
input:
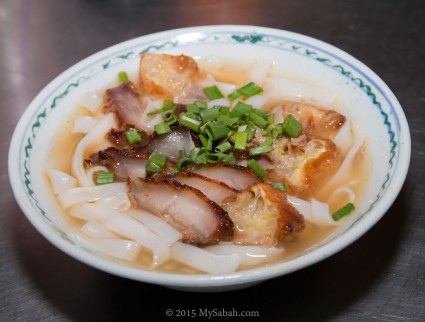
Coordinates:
column 380, row 277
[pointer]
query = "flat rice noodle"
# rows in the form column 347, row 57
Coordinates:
column 128, row 227
column 250, row 255
column 83, row 124
column 91, row 101
column 119, row 202
column 203, row 260
column 315, row 211
column 77, row 195
column 259, row 70
column 94, row 138
column 60, row 181
column 344, row 138
column 118, row 248
column 93, row 229
column 165, row 231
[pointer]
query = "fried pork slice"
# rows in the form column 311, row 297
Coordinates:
column 200, row 220
column 315, row 121
column 234, row 176
column 124, row 101
column 123, row 162
column 263, row 216
column 215, row 190
column 170, row 77
column 301, row 163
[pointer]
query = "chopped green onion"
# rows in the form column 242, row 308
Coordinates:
column 278, row 185
column 207, row 143
column 267, row 141
column 189, row 122
column 156, row 162
column 209, row 114
column 257, row 120
column 216, row 130
column 223, row 147
column 234, row 95
column 230, row 158
column 162, row 128
column 240, row 140
column 270, row 118
column 261, row 113
column 169, row 118
column 201, row 104
column 104, row 177
column 258, row 150
column 250, row 129
column 277, row 131
column 158, row 158
column 213, row 92
column 133, row 136
column 348, row 208
column 250, row 89
column 240, row 109
column 166, row 106
column 215, row 157
column 291, row 126
column 194, row 153
column 193, row 108
column 257, row 168
column 123, row 77
column 183, row 160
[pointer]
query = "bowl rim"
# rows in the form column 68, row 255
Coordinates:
column 252, row 275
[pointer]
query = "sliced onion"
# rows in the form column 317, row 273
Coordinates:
column 166, row 232
column 259, row 70
column 83, row 124
column 250, row 255
column 77, row 195
column 203, row 260
column 91, row 102
column 94, row 138
column 60, row 181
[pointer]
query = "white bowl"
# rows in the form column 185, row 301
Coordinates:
column 370, row 102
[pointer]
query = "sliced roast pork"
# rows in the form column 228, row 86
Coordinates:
column 200, row 220
column 215, row 190
column 234, row 176
column 124, row 101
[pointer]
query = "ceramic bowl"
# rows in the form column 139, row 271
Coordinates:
column 369, row 100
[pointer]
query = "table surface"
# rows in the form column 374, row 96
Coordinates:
column 379, row 277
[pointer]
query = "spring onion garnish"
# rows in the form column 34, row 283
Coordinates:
column 210, row 114
column 104, row 177
column 169, row 118
column 250, row 89
column 133, row 136
column 213, row 92
column 183, row 160
column 162, row 128
column 291, row 126
column 234, row 95
column 216, row 130
column 240, row 109
column 278, row 185
column 207, row 143
column 257, row 120
column 223, row 147
column 156, row 162
column 257, row 168
column 261, row 149
column 348, row 208
column 123, row 77
column 240, row 140
column 166, row 106
column 189, row 122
